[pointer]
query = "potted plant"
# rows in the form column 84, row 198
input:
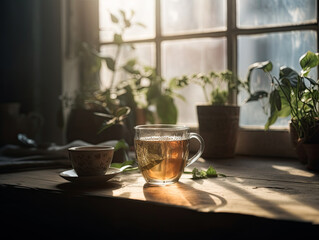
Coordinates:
column 154, row 101
column 83, row 122
column 218, row 118
column 295, row 94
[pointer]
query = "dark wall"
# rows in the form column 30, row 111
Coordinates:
column 30, row 67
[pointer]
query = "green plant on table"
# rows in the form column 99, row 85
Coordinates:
column 142, row 88
column 222, row 85
column 115, row 102
column 294, row 94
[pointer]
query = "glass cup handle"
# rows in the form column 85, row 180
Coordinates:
column 200, row 151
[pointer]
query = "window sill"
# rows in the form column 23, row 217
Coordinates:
column 259, row 142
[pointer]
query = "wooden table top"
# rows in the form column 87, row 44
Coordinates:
column 280, row 189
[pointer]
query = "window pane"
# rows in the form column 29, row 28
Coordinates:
column 144, row 53
column 254, row 13
column 281, row 49
column 191, row 56
column 180, row 16
column 144, row 13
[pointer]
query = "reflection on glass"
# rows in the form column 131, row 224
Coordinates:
column 143, row 52
column 254, row 13
column 185, row 57
column 282, row 49
column 144, row 12
column 180, row 16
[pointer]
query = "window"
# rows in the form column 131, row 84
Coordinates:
column 192, row 36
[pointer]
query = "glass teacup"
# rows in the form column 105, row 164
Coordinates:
column 162, row 151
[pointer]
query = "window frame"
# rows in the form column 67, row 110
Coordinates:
column 250, row 139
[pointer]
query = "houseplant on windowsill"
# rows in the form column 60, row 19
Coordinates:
column 88, row 117
column 295, row 94
column 153, row 100
column 218, row 118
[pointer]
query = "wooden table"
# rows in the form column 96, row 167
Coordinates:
column 258, row 197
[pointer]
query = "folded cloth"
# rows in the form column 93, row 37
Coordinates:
column 14, row 156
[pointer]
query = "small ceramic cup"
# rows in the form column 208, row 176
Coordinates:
column 91, row 160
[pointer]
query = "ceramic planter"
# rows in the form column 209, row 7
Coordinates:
column 218, row 125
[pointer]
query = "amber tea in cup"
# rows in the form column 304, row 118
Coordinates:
column 162, row 151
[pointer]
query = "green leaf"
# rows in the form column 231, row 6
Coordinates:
column 107, row 124
column 288, row 76
column 275, row 102
column 307, row 61
column 141, row 24
column 219, row 97
column 180, row 96
column 166, row 109
column 131, row 62
column 153, row 93
column 150, row 116
column 116, row 165
column 276, row 99
column 211, row 172
column 123, row 13
column 122, row 111
column 256, row 96
column 129, row 67
column 127, row 23
column 265, row 66
column 125, row 163
column 121, row 144
column 198, row 174
column 285, row 109
column 110, row 63
column 117, row 38
column 178, row 82
column 271, row 120
column 285, row 92
column 114, row 18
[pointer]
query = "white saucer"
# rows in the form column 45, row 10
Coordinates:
column 71, row 176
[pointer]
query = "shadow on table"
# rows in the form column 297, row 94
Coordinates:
column 184, row 195
column 77, row 187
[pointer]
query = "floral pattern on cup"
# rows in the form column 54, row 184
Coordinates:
column 91, row 160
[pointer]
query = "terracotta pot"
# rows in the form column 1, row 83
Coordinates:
column 312, row 151
column 218, row 125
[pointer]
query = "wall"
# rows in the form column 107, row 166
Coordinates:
column 30, row 69
column 39, row 63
